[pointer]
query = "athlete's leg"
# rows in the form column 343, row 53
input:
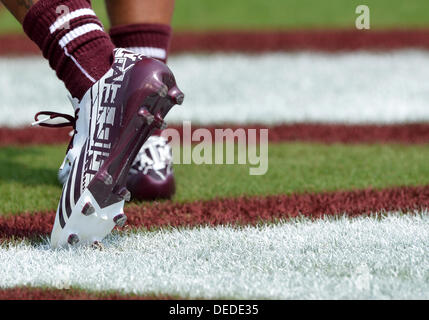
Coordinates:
column 123, row 12
column 143, row 26
column 19, row 8
column 70, row 36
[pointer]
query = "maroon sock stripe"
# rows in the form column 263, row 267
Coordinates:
column 242, row 210
column 72, row 38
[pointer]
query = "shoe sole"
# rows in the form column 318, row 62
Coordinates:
column 109, row 183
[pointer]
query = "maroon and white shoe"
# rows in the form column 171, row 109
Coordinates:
column 151, row 175
column 113, row 120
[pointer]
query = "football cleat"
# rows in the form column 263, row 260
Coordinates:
column 112, row 122
column 151, row 175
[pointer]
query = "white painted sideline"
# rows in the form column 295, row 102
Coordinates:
column 361, row 258
column 270, row 88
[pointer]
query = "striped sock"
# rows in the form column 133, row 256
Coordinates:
column 152, row 40
column 72, row 38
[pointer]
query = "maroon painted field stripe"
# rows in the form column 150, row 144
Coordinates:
column 242, row 210
column 265, row 41
column 293, row 40
column 416, row 133
column 26, row 293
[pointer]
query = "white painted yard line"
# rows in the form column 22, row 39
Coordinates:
column 362, row 258
column 269, row 88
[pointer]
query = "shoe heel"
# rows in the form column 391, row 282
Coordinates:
column 73, row 239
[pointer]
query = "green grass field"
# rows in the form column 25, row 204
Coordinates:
column 28, row 175
column 277, row 14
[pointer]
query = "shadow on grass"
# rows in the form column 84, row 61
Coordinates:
column 14, row 169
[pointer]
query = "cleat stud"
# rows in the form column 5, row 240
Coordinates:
column 125, row 194
column 107, row 178
column 120, row 220
column 176, row 95
column 179, row 98
column 97, row 245
column 149, row 119
column 144, row 113
column 72, row 239
column 88, row 209
column 159, row 122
